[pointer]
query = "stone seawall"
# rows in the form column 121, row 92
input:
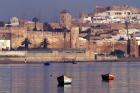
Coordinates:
column 12, row 53
column 45, row 56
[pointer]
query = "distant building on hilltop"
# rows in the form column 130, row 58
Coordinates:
column 85, row 18
column 113, row 14
column 14, row 21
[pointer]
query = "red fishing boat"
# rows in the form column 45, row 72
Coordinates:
column 107, row 77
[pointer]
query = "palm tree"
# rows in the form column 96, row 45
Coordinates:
column 118, row 53
column 45, row 43
column 35, row 20
column 26, row 43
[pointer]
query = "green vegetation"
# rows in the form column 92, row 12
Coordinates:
column 26, row 43
column 35, row 20
column 118, row 53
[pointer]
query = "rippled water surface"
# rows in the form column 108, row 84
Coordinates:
column 38, row 78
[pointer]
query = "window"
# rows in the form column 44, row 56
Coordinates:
column 118, row 13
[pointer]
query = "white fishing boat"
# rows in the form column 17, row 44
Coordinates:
column 67, row 80
column 64, row 80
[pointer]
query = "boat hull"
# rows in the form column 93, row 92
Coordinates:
column 47, row 64
column 63, row 80
column 107, row 77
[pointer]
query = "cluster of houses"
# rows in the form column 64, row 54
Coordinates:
column 113, row 16
column 97, row 32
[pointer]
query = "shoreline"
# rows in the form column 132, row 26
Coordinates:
column 18, row 60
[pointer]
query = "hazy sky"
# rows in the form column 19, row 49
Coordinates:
column 48, row 10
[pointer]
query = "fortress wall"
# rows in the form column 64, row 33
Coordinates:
column 107, row 47
column 55, row 39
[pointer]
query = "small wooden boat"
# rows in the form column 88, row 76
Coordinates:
column 108, row 77
column 47, row 64
column 64, row 80
column 74, row 62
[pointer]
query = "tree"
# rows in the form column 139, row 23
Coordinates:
column 45, row 43
column 26, row 43
column 35, row 20
column 118, row 53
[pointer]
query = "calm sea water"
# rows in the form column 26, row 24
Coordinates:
column 37, row 78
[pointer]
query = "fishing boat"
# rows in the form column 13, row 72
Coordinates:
column 74, row 62
column 47, row 64
column 64, row 80
column 107, row 77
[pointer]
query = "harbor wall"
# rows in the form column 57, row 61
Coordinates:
column 45, row 56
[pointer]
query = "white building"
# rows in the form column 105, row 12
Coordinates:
column 124, row 14
column 119, row 36
column 137, row 37
column 135, row 18
column 87, row 19
column 123, row 34
column 112, row 16
column 130, row 31
column 84, row 28
column 100, row 19
column 5, row 45
column 14, row 21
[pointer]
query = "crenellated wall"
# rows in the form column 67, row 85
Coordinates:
column 18, row 34
column 56, row 39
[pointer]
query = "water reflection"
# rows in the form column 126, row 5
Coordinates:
column 37, row 78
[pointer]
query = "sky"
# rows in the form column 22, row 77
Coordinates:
column 48, row 10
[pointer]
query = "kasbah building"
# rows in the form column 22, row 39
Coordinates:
column 67, row 36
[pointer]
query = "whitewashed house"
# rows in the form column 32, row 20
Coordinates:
column 114, row 16
column 14, row 21
column 4, row 44
column 87, row 19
